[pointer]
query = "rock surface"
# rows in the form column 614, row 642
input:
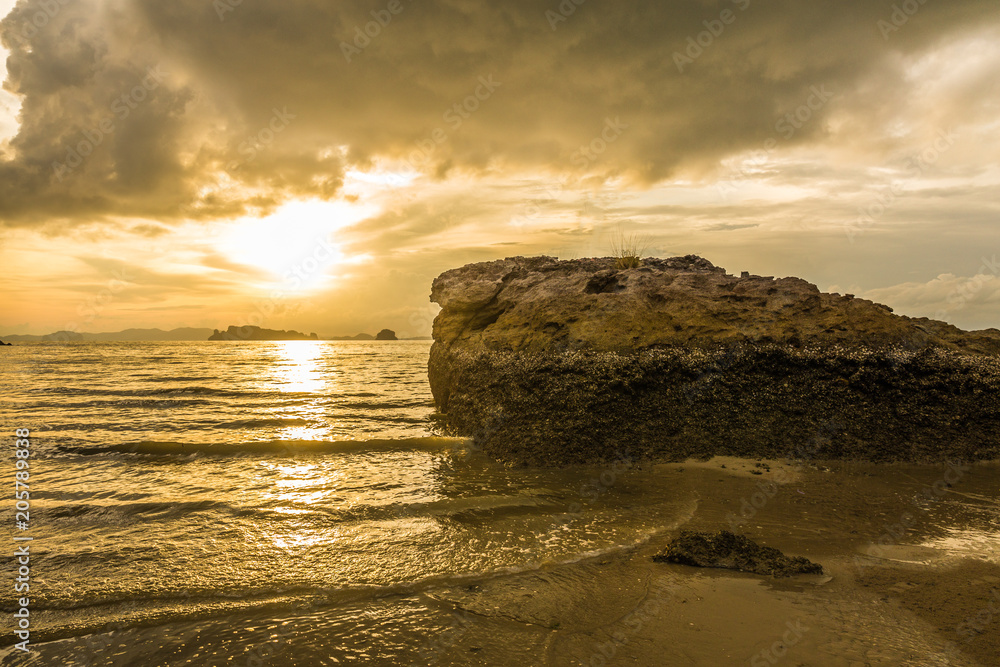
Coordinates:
column 544, row 361
column 733, row 552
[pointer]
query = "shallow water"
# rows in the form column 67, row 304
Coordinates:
column 291, row 504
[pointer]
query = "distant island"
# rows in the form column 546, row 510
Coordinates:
column 384, row 334
column 360, row 336
column 251, row 332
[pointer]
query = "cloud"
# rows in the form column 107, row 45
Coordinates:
column 972, row 302
column 188, row 113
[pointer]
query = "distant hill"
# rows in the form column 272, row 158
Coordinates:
column 250, row 332
column 360, row 336
column 184, row 333
column 181, row 334
column 384, row 334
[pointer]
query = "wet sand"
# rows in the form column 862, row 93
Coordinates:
column 912, row 577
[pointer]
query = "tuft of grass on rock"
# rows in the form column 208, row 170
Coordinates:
column 627, row 251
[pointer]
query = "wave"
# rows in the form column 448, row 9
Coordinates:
column 212, row 599
column 121, row 403
column 114, row 513
column 160, row 448
column 121, row 515
column 385, row 405
column 197, row 390
column 262, row 423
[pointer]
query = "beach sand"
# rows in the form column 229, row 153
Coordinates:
column 910, row 579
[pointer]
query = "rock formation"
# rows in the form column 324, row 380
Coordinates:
column 386, row 334
column 250, row 332
column 733, row 552
column 547, row 361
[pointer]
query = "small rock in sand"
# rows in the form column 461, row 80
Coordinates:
column 733, row 552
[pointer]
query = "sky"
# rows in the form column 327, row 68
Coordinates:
column 313, row 165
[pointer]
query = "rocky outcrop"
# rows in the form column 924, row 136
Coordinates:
column 250, row 332
column 386, row 334
column 548, row 361
column 733, row 552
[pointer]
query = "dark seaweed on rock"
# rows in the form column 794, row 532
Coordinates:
column 733, row 552
column 553, row 362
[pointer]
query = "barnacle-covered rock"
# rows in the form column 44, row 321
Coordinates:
column 545, row 361
column 733, row 552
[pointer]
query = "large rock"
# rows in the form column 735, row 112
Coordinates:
column 548, row 361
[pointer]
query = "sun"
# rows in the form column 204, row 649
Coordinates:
column 296, row 246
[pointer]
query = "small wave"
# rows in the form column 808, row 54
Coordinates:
column 125, row 511
column 174, row 378
column 121, row 403
column 197, row 390
column 212, row 599
column 264, row 423
column 388, row 405
column 154, row 448
column 469, row 509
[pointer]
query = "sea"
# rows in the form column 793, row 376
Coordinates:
column 253, row 503
column 297, row 503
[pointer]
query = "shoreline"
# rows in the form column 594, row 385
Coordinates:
column 907, row 605
column 894, row 591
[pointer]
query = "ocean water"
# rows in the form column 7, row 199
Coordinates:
column 180, row 486
column 292, row 503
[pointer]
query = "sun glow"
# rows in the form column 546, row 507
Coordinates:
column 296, row 245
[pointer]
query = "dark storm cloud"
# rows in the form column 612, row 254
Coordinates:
column 195, row 109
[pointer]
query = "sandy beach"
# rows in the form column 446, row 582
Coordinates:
column 905, row 582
